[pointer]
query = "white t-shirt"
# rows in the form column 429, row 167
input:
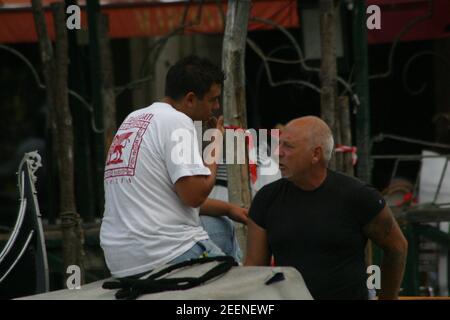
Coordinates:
column 145, row 223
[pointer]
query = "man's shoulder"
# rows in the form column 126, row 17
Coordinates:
column 351, row 185
column 137, row 112
column 165, row 112
column 272, row 188
column 341, row 179
column 265, row 199
column 164, row 118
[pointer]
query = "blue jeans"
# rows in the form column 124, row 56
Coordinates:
column 203, row 248
column 222, row 242
column 221, row 231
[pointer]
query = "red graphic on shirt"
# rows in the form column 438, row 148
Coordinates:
column 124, row 150
column 115, row 152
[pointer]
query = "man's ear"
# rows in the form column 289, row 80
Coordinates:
column 317, row 155
column 189, row 98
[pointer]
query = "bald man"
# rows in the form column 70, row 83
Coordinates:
column 318, row 220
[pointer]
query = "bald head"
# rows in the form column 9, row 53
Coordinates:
column 315, row 131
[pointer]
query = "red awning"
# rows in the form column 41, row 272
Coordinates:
column 134, row 18
column 396, row 15
column 149, row 18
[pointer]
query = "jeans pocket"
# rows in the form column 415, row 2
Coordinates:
column 211, row 249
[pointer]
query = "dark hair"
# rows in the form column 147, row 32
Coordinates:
column 194, row 74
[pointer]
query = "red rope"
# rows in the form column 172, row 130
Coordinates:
column 346, row 149
column 250, row 145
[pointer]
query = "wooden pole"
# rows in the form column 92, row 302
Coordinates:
column 346, row 133
column 55, row 72
column 234, row 106
column 328, row 71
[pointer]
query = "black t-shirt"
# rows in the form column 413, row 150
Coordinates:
column 319, row 232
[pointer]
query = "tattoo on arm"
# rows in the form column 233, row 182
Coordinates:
column 384, row 232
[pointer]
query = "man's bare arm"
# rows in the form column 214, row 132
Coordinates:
column 384, row 231
column 194, row 190
column 216, row 208
column 258, row 253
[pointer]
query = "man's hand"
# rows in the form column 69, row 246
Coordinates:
column 238, row 214
column 213, row 122
column 217, row 208
column 214, row 153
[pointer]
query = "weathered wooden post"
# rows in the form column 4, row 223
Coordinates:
column 234, row 106
column 328, row 71
column 55, row 67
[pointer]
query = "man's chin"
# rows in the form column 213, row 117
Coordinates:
column 286, row 175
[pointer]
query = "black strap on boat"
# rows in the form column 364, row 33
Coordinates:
column 132, row 288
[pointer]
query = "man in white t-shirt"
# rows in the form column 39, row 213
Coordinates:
column 155, row 190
